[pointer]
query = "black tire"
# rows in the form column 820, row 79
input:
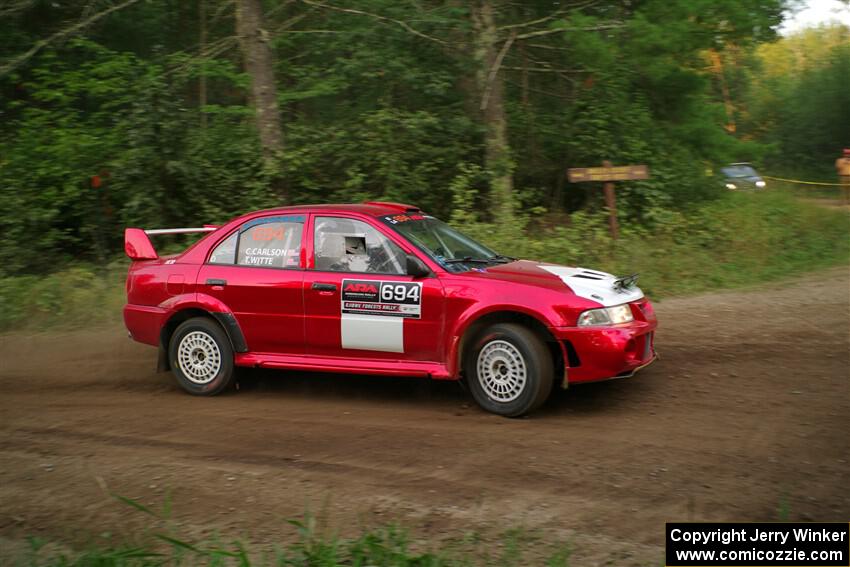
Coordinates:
column 206, row 340
column 535, row 358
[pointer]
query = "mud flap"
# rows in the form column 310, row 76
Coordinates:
column 162, row 363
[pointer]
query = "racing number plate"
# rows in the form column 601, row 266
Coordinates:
column 385, row 298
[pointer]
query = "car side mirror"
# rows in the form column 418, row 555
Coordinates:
column 416, row 267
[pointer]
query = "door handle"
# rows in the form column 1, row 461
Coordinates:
column 323, row 286
column 216, row 282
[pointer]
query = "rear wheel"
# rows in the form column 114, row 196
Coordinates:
column 201, row 357
column 509, row 370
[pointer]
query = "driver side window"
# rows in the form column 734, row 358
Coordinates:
column 348, row 245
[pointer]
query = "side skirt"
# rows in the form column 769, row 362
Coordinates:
column 378, row 367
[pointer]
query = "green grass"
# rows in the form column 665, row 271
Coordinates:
column 384, row 547
column 739, row 240
column 388, row 546
column 81, row 295
column 811, row 187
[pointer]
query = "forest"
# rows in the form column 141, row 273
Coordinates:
column 160, row 113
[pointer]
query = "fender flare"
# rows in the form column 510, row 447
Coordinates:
column 231, row 326
column 468, row 319
column 213, row 307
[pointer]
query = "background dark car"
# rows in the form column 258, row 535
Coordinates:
column 742, row 177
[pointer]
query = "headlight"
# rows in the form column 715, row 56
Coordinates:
column 760, row 183
column 731, row 186
column 606, row 316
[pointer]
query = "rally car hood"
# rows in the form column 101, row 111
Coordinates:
column 594, row 285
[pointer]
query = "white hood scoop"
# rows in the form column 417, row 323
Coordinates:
column 596, row 286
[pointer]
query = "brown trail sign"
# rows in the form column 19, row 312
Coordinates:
column 608, row 173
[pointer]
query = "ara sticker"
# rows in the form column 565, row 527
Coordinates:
column 389, row 299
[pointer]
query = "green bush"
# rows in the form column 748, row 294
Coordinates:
column 740, row 239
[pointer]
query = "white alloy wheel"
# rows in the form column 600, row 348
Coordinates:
column 502, row 371
column 199, row 357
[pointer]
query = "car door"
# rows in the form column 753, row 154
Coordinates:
column 358, row 299
column 257, row 273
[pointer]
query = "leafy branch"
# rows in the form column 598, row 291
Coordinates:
column 379, row 17
column 61, row 34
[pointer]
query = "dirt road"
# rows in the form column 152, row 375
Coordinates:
column 746, row 417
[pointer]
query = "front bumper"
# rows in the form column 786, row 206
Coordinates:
column 602, row 353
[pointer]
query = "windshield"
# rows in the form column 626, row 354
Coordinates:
column 739, row 171
column 451, row 249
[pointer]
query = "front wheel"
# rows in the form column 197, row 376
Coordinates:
column 509, row 370
column 201, row 357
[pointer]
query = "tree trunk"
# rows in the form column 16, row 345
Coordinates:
column 259, row 64
column 717, row 69
column 202, row 80
column 491, row 91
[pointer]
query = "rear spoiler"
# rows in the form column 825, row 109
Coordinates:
column 138, row 246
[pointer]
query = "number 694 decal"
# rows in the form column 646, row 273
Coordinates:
column 388, row 299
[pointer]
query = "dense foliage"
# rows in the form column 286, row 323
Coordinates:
column 799, row 99
column 145, row 115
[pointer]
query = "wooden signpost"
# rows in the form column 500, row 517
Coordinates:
column 609, row 174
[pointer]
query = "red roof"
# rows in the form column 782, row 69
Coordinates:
column 373, row 208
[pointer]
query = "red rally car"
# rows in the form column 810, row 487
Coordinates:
column 380, row 288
